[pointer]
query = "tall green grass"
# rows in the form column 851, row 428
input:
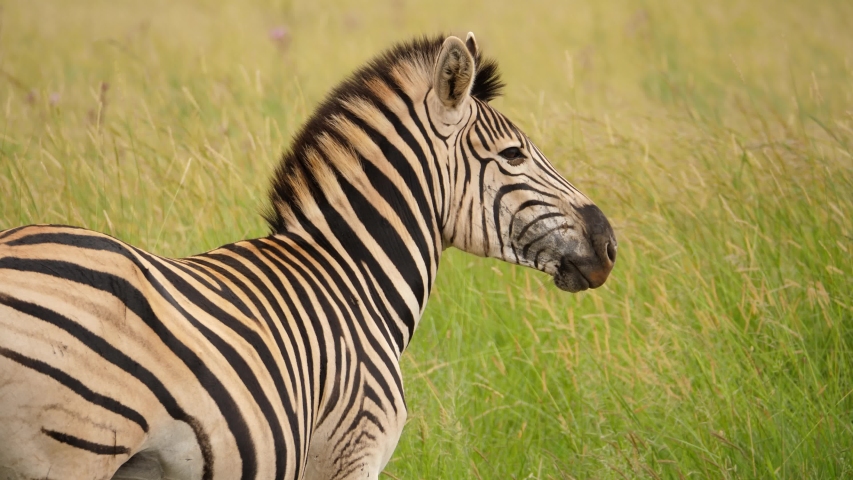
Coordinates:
column 716, row 136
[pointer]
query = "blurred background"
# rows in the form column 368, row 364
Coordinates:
column 716, row 136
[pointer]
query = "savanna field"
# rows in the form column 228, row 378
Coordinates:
column 716, row 136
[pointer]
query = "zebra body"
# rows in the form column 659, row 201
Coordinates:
column 278, row 357
column 203, row 339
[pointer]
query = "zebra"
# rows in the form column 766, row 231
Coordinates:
column 278, row 357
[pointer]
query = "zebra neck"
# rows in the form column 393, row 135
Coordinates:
column 367, row 193
column 366, row 269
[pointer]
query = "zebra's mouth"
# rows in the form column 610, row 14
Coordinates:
column 569, row 278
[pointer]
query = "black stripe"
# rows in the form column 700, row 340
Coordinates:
column 532, row 203
column 356, row 366
column 479, row 133
column 439, row 180
column 370, row 366
column 431, row 126
column 466, row 165
column 199, row 269
column 483, row 225
column 96, row 448
column 545, row 234
column 534, row 221
column 370, row 394
column 481, row 108
column 72, row 383
column 501, row 122
column 444, row 204
column 481, row 187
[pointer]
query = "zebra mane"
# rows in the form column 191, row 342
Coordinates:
column 296, row 174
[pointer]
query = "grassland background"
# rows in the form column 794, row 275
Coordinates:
column 715, row 135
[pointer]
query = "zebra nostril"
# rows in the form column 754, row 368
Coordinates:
column 611, row 251
column 600, row 235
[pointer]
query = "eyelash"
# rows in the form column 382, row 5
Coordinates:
column 512, row 155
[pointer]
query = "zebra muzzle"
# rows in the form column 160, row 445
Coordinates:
column 580, row 271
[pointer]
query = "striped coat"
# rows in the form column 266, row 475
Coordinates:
column 279, row 357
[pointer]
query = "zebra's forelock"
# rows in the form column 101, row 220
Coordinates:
column 293, row 178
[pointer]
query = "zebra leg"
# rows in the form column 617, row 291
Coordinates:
column 359, row 451
column 357, row 436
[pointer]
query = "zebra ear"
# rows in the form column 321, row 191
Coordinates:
column 471, row 43
column 454, row 71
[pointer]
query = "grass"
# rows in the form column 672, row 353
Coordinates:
column 715, row 136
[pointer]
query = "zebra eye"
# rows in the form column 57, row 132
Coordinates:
column 513, row 155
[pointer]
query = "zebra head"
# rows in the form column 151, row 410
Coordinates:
column 503, row 198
